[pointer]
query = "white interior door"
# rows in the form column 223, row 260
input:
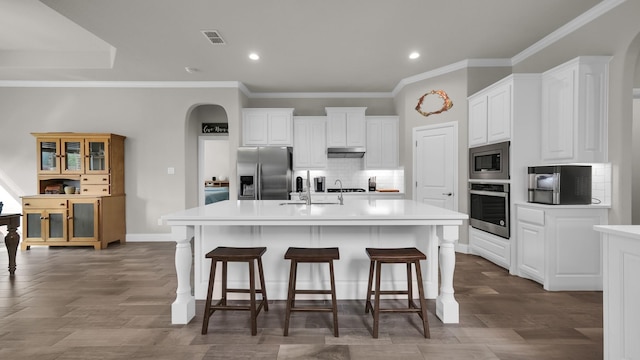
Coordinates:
column 435, row 165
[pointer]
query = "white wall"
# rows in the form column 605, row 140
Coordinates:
column 152, row 119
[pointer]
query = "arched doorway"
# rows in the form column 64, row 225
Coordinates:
column 205, row 152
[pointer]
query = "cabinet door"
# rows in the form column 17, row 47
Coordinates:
column 317, row 139
column 254, row 128
column 558, row 114
column 531, row 250
column 356, row 129
column 48, row 155
column 96, row 156
column 499, row 114
column 72, row 156
column 336, row 129
column 45, row 225
column 309, row 143
column 478, row 121
column 279, row 129
column 382, row 143
column 83, row 220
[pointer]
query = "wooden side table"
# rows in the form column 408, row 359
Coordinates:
column 12, row 239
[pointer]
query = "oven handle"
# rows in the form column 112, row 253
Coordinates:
column 489, row 193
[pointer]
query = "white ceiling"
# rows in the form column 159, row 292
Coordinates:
column 305, row 46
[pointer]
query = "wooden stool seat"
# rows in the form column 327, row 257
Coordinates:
column 234, row 254
column 409, row 256
column 311, row 255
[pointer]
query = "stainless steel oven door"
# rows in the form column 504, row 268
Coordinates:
column 489, row 208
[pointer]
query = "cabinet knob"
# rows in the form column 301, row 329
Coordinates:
column 42, row 218
column 27, row 204
column 447, row 194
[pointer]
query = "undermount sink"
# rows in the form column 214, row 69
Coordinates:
column 313, row 203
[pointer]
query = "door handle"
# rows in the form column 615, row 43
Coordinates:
column 447, row 194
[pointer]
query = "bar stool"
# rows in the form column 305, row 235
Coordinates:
column 395, row 256
column 311, row 255
column 233, row 254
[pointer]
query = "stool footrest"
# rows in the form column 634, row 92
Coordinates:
column 311, row 292
column 243, row 291
column 311, row 309
column 390, row 292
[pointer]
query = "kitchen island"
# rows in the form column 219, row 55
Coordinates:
column 352, row 227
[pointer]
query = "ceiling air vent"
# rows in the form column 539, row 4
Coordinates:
column 214, row 37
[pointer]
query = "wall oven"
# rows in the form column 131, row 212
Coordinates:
column 489, row 162
column 489, row 208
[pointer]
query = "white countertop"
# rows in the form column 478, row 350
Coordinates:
column 628, row 231
column 353, row 212
column 549, row 206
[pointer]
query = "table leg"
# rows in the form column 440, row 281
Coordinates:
column 183, row 308
column 447, row 308
column 11, row 241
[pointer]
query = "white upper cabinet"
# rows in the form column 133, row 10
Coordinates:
column 382, row 142
column 346, row 127
column 574, row 111
column 267, row 127
column 309, row 142
column 490, row 114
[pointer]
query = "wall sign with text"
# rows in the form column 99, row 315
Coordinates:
column 215, row 128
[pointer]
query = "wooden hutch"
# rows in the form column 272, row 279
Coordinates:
column 91, row 212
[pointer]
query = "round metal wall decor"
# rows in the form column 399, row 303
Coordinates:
column 446, row 105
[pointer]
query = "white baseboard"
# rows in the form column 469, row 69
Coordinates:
column 149, row 237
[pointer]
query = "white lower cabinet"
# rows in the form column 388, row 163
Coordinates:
column 490, row 247
column 557, row 246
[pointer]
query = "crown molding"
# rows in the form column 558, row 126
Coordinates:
column 588, row 16
column 122, row 84
column 573, row 25
column 322, row 95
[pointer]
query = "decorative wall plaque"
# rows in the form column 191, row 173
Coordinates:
column 446, row 105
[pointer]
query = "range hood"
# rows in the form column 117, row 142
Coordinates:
column 345, row 152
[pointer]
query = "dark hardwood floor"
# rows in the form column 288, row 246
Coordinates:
column 78, row 303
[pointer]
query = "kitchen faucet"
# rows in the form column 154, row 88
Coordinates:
column 308, row 188
column 340, row 196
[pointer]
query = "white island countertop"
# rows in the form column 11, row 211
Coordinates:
column 354, row 211
column 354, row 226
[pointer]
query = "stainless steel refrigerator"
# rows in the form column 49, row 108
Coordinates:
column 264, row 173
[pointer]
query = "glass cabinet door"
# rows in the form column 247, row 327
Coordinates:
column 48, row 156
column 72, row 154
column 83, row 220
column 96, row 156
column 45, row 225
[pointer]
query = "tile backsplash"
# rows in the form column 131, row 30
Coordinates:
column 353, row 175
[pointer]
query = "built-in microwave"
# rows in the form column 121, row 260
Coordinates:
column 560, row 184
column 489, row 162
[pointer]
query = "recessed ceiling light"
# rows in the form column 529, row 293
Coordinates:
column 254, row 56
column 191, row 70
column 414, row 55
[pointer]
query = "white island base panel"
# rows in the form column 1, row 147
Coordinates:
column 352, row 228
column 351, row 271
